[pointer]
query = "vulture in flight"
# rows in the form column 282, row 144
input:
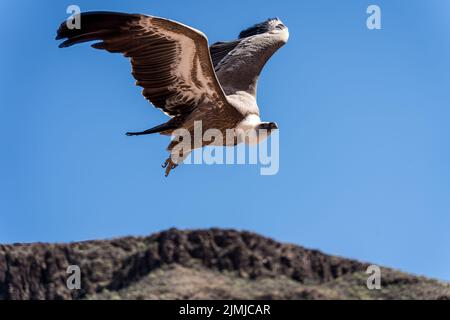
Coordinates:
column 182, row 76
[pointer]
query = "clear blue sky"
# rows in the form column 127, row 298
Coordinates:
column 364, row 128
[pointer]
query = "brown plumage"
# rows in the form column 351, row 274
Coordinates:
column 172, row 63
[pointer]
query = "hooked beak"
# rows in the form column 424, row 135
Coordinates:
column 273, row 126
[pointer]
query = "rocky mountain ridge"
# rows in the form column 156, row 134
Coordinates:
column 197, row 264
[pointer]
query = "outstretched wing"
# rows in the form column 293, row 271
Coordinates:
column 169, row 60
column 238, row 63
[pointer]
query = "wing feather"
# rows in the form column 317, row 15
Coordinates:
column 169, row 60
column 239, row 63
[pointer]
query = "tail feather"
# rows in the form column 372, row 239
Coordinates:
column 158, row 129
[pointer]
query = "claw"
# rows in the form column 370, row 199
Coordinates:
column 169, row 165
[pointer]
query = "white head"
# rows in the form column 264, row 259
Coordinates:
column 252, row 130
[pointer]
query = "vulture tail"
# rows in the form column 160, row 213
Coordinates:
column 158, row 129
